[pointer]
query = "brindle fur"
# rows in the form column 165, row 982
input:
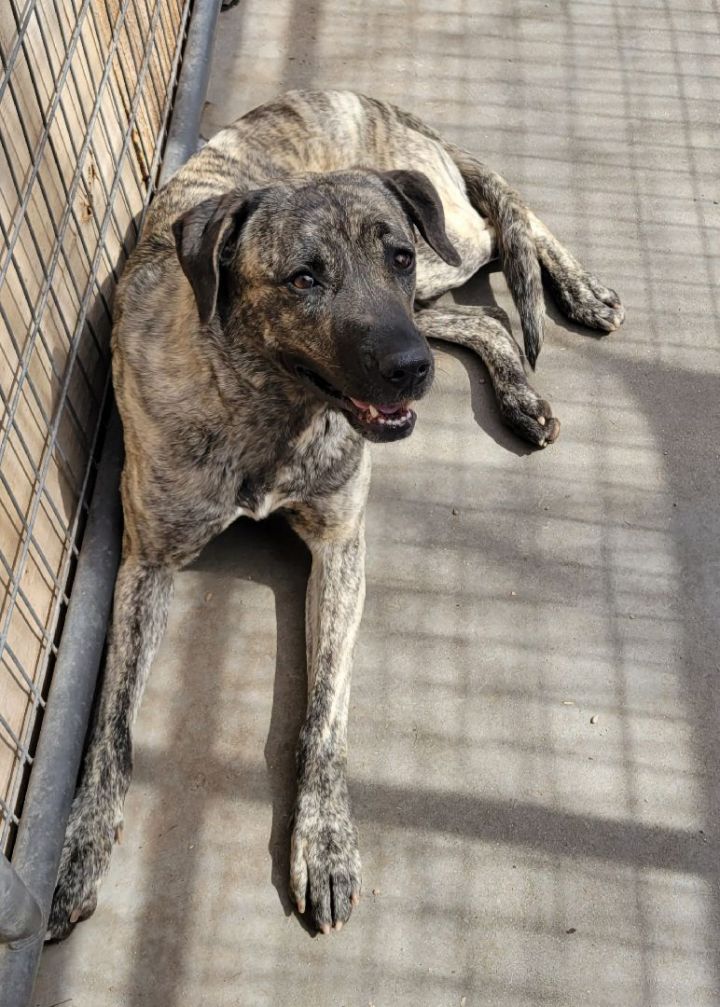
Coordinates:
column 216, row 425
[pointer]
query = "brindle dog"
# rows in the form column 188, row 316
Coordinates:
column 268, row 325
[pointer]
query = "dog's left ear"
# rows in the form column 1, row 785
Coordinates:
column 420, row 200
column 206, row 236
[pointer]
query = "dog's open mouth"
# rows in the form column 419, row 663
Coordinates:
column 376, row 421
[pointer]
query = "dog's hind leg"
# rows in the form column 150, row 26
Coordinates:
column 528, row 251
column 324, row 859
column 580, row 297
column 487, row 332
column 142, row 596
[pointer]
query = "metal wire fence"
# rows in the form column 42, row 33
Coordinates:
column 85, row 96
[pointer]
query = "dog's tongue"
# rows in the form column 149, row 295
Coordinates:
column 388, row 410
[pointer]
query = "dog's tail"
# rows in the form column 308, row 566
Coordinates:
column 491, row 196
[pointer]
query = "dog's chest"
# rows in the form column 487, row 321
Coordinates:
column 315, row 464
column 256, row 499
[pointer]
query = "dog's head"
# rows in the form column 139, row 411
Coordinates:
column 322, row 269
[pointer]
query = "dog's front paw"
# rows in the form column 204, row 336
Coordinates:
column 324, row 864
column 84, row 862
column 528, row 414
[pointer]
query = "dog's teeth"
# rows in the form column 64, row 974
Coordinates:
column 373, row 412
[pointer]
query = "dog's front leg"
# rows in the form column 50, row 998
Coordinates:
column 487, row 332
column 142, row 595
column 324, row 859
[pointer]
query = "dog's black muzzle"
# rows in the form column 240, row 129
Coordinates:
column 385, row 365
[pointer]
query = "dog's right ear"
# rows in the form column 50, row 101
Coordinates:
column 206, row 235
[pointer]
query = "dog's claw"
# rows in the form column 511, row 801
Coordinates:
column 553, row 432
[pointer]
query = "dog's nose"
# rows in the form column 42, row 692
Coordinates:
column 405, row 369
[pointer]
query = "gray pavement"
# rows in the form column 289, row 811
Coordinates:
column 515, row 853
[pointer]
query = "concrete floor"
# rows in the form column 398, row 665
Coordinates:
column 514, row 852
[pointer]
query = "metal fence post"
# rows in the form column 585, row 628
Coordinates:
column 20, row 915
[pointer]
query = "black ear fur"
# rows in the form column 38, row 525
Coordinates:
column 202, row 236
column 420, row 200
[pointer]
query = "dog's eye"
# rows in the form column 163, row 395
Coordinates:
column 403, row 259
column 303, row 281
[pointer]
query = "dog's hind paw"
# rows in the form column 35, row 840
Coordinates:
column 325, row 867
column 529, row 415
column 584, row 300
